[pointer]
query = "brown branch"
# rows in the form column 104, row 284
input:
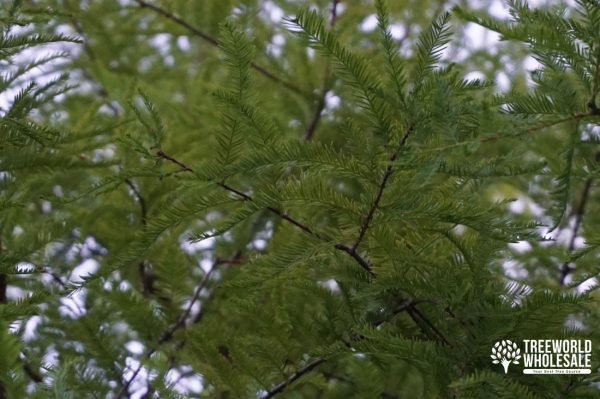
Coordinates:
column 168, row 334
column 352, row 252
column 178, row 21
column 181, row 321
column 423, row 322
column 426, row 326
column 360, row 260
column 181, row 22
column 579, row 212
column 183, row 166
column 342, row 247
column 184, row 316
column 399, row 309
column 405, row 306
column 386, row 176
column 460, row 321
column 312, row 126
column 147, row 277
column 234, row 260
column 296, row 375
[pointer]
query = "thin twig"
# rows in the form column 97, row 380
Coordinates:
column 579, row 212
column 386, row 176
column 416, row 315
column 184, row 316
column 594, row 110
column 339, row 246
column 181, row 22
column 312, row 126
column 183, row 166
column 360, row 260
column 235, row 260
column 140, row 199
column 405, row 306
column 399, row 309
column 147, row 277
column 168, row 334
column 410, row 307
column 357, row 257
column 299, row 373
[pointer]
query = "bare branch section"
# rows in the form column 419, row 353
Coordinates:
column 579, row 212
column 209, row 39
column 299, row 373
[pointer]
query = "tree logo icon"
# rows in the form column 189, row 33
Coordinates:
column 505, row 352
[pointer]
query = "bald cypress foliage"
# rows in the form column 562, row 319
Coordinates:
column 336, row 199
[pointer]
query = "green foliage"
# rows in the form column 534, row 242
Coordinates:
column 166, row 231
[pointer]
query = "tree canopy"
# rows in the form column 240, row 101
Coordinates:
column 319, row 199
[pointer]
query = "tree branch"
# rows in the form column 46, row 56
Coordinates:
column 184, row 316
column 341, row 247
column 418, row 317
column 140, row 200
column 312, row 127
column 352, row 252
column 360, row 260
column 579, row 212
column 296, row 375
column 168, row 334
column 386, row 176
column 181, row 22
column 405, row 306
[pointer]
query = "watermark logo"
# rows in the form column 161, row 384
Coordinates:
column 545, row 356
column 505, row 352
